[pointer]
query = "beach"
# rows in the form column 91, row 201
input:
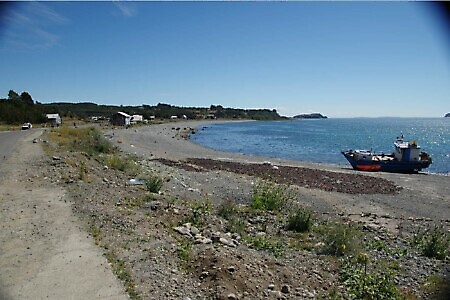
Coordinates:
column 197, row 236
column 421, row 195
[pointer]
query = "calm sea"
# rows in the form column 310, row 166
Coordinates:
column 322, row 140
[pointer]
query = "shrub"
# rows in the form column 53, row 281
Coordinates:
column 184, row 252
column 88, row 140
column 361, row 284
column 235, row 225
column 265, row 243
column 154, row 184
column 270, row 197
column 433, row 243
column 227, row 209
column 299, row 221
column 341, row 239
column 199, row 210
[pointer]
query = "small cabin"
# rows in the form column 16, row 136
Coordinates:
column 121, row 119
column 137, row 118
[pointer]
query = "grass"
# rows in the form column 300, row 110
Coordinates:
column 88, row 140
column 184, row 253
column 342, row 239
column 437, row 285
column 153, row 184
column 362, row 280
column 96, row 234
column 433, row 242
column 122, row 273
column 265, row 243
column 227, row 209
column 199, row 212
column 236, row 225
column 299, row 221
column 270, row 197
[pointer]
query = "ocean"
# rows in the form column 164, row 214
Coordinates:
column 321, row 140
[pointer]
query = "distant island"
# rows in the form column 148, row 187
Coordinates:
column 447, row 115
column 310, row 116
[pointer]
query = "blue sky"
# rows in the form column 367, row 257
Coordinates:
column 343, row 59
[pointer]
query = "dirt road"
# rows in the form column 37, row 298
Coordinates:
column 44, row 254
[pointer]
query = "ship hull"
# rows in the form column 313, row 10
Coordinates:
column 386, row 166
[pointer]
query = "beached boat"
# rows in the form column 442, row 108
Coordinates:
column 407, row 158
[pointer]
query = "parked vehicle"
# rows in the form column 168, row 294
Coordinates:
column 26, row 126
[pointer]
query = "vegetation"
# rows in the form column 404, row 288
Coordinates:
column 271, row 197
column 362, row 283
column 122, row 273
column 153, row 184
column 341, row 239
column 184, row 252
column 17, row 109
column 199, row 211
column 299, row 221
column 265, row 243
column 227, row 209
column 87, row 140
column 433, row 242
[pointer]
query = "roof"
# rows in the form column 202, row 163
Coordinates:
column 52, row 116
column 123, row 114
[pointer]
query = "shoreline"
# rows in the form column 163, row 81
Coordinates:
column 169, row 130
column 422, row 195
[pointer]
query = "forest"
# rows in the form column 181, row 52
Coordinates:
column 17, row 109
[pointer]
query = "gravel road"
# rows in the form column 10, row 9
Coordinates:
column 44, row 254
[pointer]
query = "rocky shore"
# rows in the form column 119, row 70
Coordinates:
column 198, row 237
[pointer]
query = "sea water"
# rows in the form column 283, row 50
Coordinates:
column 321, row 140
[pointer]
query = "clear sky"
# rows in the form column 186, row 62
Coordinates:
column 343, row 59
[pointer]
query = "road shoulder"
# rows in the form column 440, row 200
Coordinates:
column 44, row 252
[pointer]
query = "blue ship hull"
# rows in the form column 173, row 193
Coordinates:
column 386, row 166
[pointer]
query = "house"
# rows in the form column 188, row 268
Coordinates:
column 120, row 119
column 54, row 119
column 174, row 117
column 137, row 118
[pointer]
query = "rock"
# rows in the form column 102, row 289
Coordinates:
column 231, row 269
column 56, row 158
column 231, row 296
column 194, row 230
column 236, row 237
column 215, row 236
column 154, row 205
column 204, row 274
column 285, row 288
column 277, row 295
column 227, row 242
column 183, row 230
column 271, row 286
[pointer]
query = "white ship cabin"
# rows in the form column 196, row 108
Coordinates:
column 406, row 151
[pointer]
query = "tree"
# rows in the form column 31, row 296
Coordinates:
column 13, row 96
column 26, row 98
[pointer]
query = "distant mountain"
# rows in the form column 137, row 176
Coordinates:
column 310, row 116
column 447, row 115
